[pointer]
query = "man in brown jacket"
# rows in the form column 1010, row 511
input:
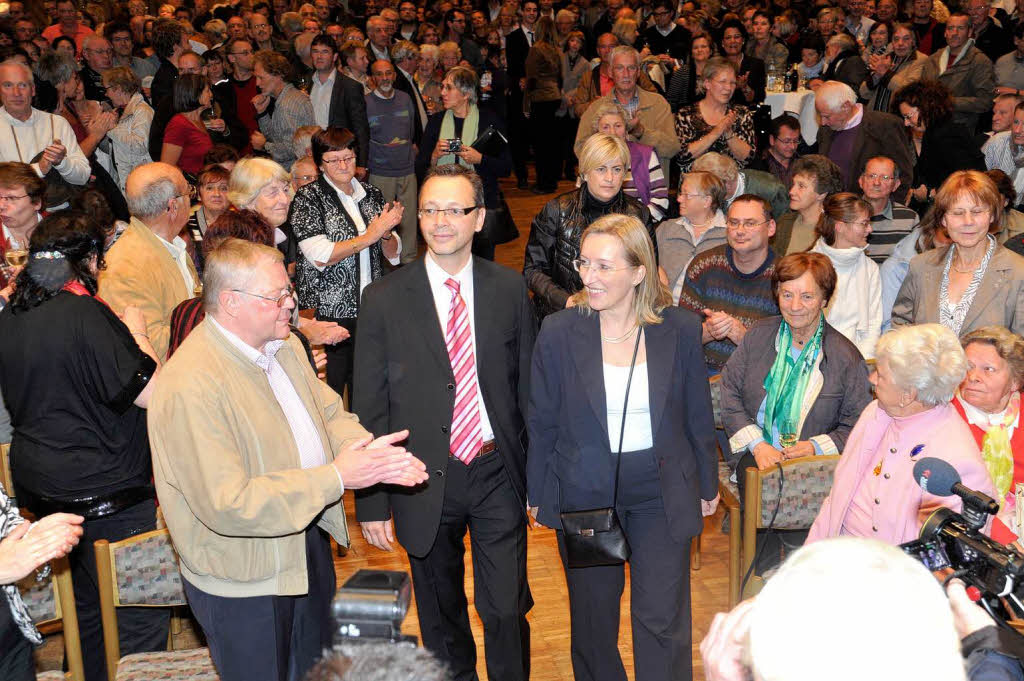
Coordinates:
column 251, row 455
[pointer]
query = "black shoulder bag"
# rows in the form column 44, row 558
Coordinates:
column 595, row 537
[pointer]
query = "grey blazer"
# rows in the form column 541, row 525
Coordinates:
column 843, row 395
column 999, row 300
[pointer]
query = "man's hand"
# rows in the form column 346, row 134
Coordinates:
column 260, row 102
column 257, row 140
column 968, row 617
column 369, row 462
column 379, row 533
column 717, row 323
column 52, row 156
column 708, row 508
column 722, row 648
column 765, row 455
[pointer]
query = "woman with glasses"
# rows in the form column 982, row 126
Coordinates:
column 794, row 386
column 22, row 192
column 555, row 234
column 129, row 139
column 855, row 309
column 344, row 231
column 699, row 227
column 621, row 378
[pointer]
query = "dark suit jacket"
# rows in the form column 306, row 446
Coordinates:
column 516, row 49
column 879, row 134
column 348, row 110
column 400, row 384
column 570, row 455
column 408, row 87
column 848, row 67
column 946, row 146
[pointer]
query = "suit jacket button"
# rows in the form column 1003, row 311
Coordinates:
column 444, row 429
column 886, row 476
column 874, row 528
column 439, row 473
column 451, row 386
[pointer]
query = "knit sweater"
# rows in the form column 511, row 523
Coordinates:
column 713, row 282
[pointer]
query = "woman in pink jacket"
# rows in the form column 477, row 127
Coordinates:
column 874, row 493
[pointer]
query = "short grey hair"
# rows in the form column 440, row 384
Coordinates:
column 230, row 266
column 565, row 14
column 926, row 358
column 833, row 94
column 624, row 50
column 718, row 164
column 404, row 49
column 843, row 40
column 377, row 661
column 55, row 68
column 431, row 51
column 291, row 21
column 609, row 107
column 464, row 80
column 150, row 200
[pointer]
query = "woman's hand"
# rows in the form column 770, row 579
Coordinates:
column 380, row 227
column 725, row 125
column 31, row 545
column 102, row 123
column 708, row 508
column 320, row 361
column 440, row 149
column 800, row 449
column 470, row 156
column 260, row 102
column 319, row 332
column 920, row 193
column 766, row 456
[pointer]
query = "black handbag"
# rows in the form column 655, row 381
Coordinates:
column 595, row 537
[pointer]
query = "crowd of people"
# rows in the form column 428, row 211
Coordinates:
column 179, row 181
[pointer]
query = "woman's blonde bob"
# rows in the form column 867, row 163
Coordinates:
column 600, row 149
column 650, row 295
column 250, row 176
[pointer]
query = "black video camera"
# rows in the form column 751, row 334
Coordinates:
column 952, row 540
column 371, row 606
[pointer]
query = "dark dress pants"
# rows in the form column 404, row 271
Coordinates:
column 479, row 497
column 271, row 638
column 340, row 357
column 518, row 136
column 16, row 663
column 659, row 571
column 140, row 630
column 771, row 546
column 544, row 132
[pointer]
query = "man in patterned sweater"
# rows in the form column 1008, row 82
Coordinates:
column 731, row 285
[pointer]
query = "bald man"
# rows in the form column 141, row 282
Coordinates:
column 148, row 267
column 98, row 56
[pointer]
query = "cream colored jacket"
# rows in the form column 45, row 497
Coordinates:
column 227, row 468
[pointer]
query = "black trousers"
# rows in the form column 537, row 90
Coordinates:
column 16, row 663
column 271, row 638
column 771, row 547
column 544, row 132
column 339, row 358
column 659, row 572
column 478, row 497
column 567, row 127
column 518, row 135
column 140, row 630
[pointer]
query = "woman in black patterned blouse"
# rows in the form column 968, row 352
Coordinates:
column 713, row 124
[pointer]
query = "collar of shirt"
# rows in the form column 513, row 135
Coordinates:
column 856, row 118
column 284, row 90
column 176, row 247
column 944, row 55
column 357, row 195
column 260, row 359
column 982, row 419
column 887, row 211
column 437, row 276
column 665, row 31
column 329, row 83
column 11, row 120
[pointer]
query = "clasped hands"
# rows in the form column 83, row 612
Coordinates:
column 52, row 156
column 767, row 456
column 31, row 545
column 721, row 326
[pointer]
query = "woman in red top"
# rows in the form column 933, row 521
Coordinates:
column 989, row 400
column 186, row 140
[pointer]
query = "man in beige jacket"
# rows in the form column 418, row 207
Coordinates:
column 148, row 266
column 251, row 455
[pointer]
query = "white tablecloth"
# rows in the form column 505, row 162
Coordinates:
column 801, row 105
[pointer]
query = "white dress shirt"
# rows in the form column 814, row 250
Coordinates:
column 24, row 140
column 443, row 303
column 179, row 252
column 320, row 96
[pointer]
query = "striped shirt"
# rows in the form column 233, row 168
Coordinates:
column 713, row 282
column 888, row 228
column 999, row 156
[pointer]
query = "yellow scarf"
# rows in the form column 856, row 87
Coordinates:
column 996, row 450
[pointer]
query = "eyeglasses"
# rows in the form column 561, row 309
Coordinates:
column 12, row 199
column 733, row 223
column 190, row 193
column 286, row 294
column 244, row 53
column 305, row 178
column 875, row 176
column 859, row 223
column 581, row 264
column 335, row 161
column 455, row 212
column 690, row 196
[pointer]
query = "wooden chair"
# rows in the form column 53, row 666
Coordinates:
column 6, row 479
column 142, row 571
column 51, row 604
column 807, row 482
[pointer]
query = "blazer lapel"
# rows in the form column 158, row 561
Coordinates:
column 661, row 357
column 424, row 316
column 486, row 329
column 930, row 286
column 991, row 289
column 586, row 355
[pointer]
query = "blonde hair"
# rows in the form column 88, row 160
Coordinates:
column 230, row 266
column 608, row 108
column 601, row 148
column 721, row 166
column 250, row 176
column 650, row 295
column 925, row 357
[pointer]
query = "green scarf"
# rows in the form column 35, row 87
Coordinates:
column 787, row 381
column 470, row 129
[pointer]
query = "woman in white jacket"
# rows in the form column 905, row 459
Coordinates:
column 129, row 139
column 856, row 308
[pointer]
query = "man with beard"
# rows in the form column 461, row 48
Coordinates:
column 965, row 70
column 392, row 159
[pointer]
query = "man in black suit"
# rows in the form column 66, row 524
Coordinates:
column 345, row 103
column 517, row 45
column 466, row 425
column 404, row 55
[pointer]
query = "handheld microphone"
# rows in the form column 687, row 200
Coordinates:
column 938, row 477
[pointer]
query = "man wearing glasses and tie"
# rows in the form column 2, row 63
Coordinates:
column 443, row 351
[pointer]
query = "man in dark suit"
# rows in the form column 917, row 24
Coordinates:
column 466, row 424
column 404, row 55
column 345, row 103
column 517, row 46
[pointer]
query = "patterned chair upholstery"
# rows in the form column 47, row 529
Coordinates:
column 714, row 383
column 730, row 498
column 52, row 602
column 143, row 571
column 40, row 599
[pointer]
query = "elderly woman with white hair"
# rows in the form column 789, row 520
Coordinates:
column 645, row 180
column 875, row 494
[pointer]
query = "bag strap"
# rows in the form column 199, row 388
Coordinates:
column 622, row 427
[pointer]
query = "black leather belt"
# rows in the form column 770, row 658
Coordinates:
column 91, row 508
column 486, row 448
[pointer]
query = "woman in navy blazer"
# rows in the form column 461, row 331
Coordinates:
column 668, row 475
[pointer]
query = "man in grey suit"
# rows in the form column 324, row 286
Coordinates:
column 338, row 100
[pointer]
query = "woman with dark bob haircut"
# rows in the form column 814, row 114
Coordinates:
column 76, row 380
column 344, row 229
column 186, row 139
column 943, row 146
column 800, row 398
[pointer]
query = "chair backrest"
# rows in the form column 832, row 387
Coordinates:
column 715, row 384
column 140, row 571
column 51, row 604
column 806, row 482
column 6, row 479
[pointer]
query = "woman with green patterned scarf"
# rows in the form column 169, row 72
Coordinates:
column 794, row 386
column 989, row 401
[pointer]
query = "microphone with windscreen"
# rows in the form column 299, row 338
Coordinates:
column 938, row 477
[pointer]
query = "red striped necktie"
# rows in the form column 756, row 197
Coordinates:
column 465, row 431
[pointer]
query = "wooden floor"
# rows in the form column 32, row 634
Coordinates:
column 549, row 619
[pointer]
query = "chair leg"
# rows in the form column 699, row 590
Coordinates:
column 695, row 552
column 734, row 555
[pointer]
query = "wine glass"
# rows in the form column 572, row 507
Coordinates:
column 787, row 433
column 16, row 257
